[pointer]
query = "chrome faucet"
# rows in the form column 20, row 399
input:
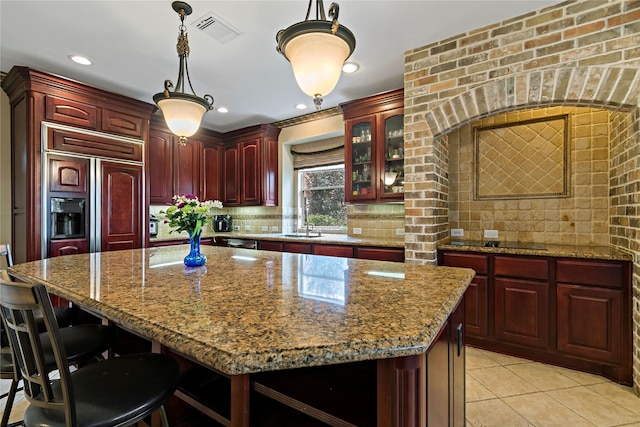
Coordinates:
column 306, row 217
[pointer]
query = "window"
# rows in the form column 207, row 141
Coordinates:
column 323, row 189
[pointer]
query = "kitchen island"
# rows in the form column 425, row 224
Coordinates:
column 256, row 317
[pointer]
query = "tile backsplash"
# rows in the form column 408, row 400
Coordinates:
column 580, row 217
column 383, row 221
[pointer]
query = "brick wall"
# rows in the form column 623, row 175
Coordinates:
column 584, row 53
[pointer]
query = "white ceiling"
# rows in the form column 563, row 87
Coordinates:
column 132, row 44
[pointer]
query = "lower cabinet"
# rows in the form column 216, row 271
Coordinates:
column 447, row 351
column 522, row 312
column 588, row 322
column 569, row 312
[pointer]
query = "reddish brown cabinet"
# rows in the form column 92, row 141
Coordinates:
column 250, row 166
column 522, row 312
column 477, row 294
column 58, row 114
column 374, row 148
column 186, row 168
column 567, row 311
column 160, row 149
column 194, row 168
column 211, row 165
column 121, row 206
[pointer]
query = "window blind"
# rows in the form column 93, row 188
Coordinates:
column 323, row 152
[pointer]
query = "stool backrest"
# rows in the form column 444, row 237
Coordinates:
column 19, row 303
column 5, row 251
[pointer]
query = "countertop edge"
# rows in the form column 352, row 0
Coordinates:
column 561, row 251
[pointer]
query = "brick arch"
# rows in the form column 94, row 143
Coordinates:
column 616, row 88
column 613, row 88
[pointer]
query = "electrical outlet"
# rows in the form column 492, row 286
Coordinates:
column 457, row 232
column 236, row 228
column 274, row 228
column 399, row 231
column 247, row 228
column 491, row 234
column 357, row 230
column 265, row 228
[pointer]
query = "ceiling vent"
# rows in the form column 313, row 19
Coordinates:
column 216, row 27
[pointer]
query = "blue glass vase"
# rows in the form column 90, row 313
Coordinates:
column 195, row 258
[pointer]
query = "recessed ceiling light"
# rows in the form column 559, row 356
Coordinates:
column 301, row 107
column 350, row 67
column 80, row 60
column 222, row 110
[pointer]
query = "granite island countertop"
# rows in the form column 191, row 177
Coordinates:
column 540, row 249
column 252, row 311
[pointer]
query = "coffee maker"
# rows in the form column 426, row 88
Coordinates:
column 222, row 223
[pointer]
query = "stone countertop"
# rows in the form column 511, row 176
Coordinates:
column 253, row 311
column 566, row 251
column 333, row 239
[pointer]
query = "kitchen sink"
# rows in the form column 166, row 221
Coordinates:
column 302, row 236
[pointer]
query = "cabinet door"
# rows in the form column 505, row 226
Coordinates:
column 122, row 123
column 67, row 247
column 211, row 166
column 160, row 167
column 359, row 158
column 71, row 112
column 121, row 206
column 457, row 356
column 186, row 168
column 250, row 171
column 231, row 176
column 477, row 308
column 390, row 144
column 68, row 175
column 522, row 312
column 590, row 322
column 270, row 171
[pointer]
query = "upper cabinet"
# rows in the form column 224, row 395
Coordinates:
column 239, row 168
column 250, row 167
column 193, row 168
column 374, row 148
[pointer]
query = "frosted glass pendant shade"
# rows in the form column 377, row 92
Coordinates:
column 183, row 116
column 317, row 59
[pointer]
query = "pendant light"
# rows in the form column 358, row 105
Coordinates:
column 182, row 111
column 317, row 49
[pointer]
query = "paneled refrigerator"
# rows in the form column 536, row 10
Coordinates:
column 90, row 203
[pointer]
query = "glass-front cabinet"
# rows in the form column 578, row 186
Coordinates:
column 360, row 161
column 374, row 148
column 392, row 155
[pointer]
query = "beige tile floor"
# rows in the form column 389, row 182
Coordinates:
column 505, row 391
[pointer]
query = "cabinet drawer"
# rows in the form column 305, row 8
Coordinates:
column 379, row 254
column 333, row 250
column 530, row 268
column 121, row 123
column 71, row 112
column 75, row 142
column 270, row 246
column 478, row 263
column 607, row 274
column 298, row 248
